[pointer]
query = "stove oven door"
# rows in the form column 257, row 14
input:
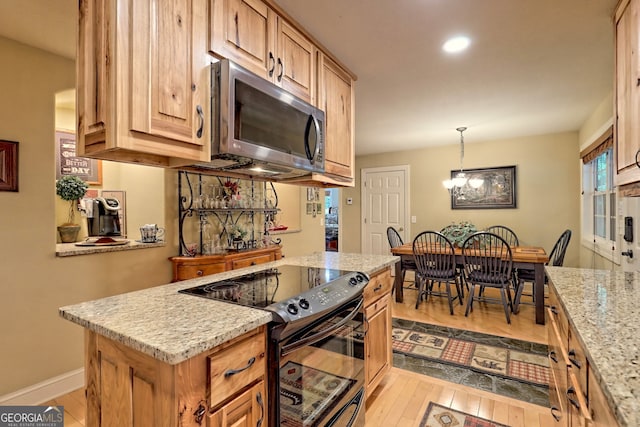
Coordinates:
column 321, row 372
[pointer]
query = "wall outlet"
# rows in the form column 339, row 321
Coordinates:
column 413, row 219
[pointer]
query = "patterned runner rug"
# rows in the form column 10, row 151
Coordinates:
column 510, row 367
column 439, row 416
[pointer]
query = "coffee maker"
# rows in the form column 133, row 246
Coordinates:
column 103, row 217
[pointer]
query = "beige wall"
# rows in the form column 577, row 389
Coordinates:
column 548, row 191
column 37, row 343
column 310, row 238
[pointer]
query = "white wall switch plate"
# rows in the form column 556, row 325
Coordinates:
column 413, row 219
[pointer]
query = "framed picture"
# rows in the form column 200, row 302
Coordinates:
column 498, row 189
column 310, row 207
column 8, row 166
column 67, row 163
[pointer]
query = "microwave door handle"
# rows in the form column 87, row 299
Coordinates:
column 307, row 149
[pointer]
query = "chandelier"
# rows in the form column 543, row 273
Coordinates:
column 460, row 180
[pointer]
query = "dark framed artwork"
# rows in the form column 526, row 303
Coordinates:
column 8, row 166
column 67, row 163
column 498, row 189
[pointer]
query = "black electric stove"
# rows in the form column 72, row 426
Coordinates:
column 292, row 292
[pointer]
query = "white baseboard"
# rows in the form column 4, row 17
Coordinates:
column 46, row 390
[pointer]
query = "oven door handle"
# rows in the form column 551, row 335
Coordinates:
column 287, row 349
column 357, row 400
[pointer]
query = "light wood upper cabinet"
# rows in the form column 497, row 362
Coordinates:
column 143, row 81
column 627, row 92
column 251, row 34
column 336, row 98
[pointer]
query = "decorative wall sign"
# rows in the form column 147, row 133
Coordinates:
column 8, row 166
column 67, row 163
column 498, row 191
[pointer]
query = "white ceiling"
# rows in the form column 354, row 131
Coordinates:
column 534, row 66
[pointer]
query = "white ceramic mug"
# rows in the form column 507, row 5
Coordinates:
column 151, row 233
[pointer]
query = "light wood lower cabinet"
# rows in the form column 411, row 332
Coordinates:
column 247, row 410
column 574, row 393
column 377, row 344
column 222, row 387
column 192, row 267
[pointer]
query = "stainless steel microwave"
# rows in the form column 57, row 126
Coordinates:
column 260, row 129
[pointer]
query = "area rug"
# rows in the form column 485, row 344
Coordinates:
column 439, row 416
column 306, row 394
column 509, row 367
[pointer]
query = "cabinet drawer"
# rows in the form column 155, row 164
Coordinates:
column 246, row 262
column 577, row 361
column 185, row 272
column 236, row 367
column 379, row 285
column 556, row 312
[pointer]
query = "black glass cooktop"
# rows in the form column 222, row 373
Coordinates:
column 268, row 286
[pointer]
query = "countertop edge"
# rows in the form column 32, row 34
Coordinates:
column 199, row 324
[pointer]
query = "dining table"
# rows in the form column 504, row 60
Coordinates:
column 525, row 257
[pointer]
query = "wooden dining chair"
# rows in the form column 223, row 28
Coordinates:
column 488, row 262
column 394, row 241
column 506, row 233
column 435, row 261
column 556, row 259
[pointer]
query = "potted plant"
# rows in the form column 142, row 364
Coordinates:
column 70, row 188
column 458, row 232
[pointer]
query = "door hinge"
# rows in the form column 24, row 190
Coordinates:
column 365, row 220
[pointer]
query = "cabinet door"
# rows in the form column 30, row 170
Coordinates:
column 627, row 128
column 244, row 31
column 246, row 410
column 378, row 349
column 169, row 79
column 601, row 414
column 335, row 96
column 295, row 62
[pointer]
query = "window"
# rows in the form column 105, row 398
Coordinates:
column 599, row 202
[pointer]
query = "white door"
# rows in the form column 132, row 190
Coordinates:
column 384, row 203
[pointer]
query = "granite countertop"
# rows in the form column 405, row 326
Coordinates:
column 71, row 249
column 603, row 309
column 174, row 327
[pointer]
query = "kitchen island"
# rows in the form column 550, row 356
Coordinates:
column 160, row 349
column 598, row 311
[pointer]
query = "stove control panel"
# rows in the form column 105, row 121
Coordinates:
column 322, row 298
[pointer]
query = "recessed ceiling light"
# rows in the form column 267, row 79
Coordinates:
column 456, row 44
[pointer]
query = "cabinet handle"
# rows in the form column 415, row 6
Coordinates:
column 198, row 414
column 637, row 163
column 572, row 391
column 575, row 362
column 377, row 288
column 273, row 64
column 199, row 272
column 259, row 400
column 552, row 356
column 201, row 115
column 554, row 309
column 231, row 372
column 281, row 69
column 554, row 415
column 253, row 263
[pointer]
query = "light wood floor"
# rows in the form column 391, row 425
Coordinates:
column 403, row 396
